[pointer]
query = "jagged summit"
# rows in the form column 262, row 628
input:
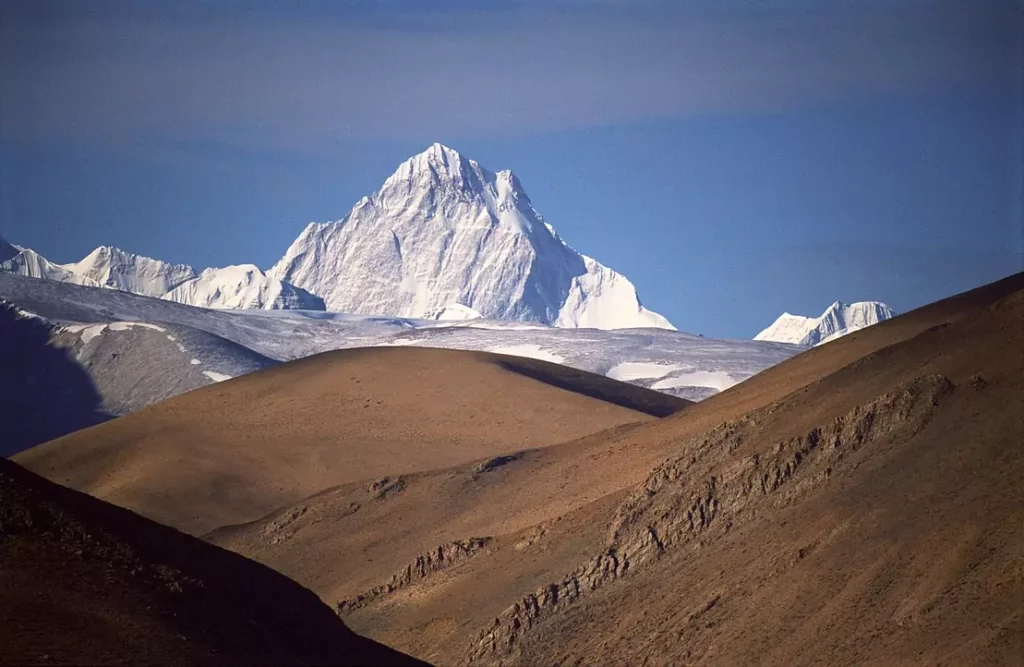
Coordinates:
column 838, row 320
column 444, row 230
column 113, row 267
column 243, row 286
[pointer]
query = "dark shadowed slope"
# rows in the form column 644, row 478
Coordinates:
column 44, row 392
column 84, row 582
column 239, row 449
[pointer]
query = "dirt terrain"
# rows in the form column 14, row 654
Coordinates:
column 85, row 582
column 881, row 469
column 858, row 503
column 242, row 448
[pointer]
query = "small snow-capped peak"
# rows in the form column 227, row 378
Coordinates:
column 838, row 320
column 117, row 268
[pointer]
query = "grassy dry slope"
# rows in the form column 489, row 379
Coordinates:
column 858, row 502
column 242, row 448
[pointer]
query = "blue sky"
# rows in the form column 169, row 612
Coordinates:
column 733, row 159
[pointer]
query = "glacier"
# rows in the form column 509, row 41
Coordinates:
column 838, row 320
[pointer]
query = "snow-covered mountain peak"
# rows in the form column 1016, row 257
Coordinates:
column 242, row 286
column 838, row 320
column 438, row 165
column 113, row 267
column 444, row 230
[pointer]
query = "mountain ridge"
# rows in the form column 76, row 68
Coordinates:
column 442, row 230
column 838, row 320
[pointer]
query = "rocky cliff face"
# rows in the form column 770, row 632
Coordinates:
column 678, row 505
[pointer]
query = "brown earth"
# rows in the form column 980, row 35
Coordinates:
column 83, row 582
column 858, row 503
column 239, row 449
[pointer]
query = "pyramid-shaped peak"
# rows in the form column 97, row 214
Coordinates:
column 438, row 156
column 439, row 164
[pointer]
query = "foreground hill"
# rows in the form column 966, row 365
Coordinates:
column 239, row 449
column 858, row 503
column 85, row 582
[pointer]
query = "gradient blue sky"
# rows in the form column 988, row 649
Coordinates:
column 733, row 159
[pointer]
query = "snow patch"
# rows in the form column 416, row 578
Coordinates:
column 90, row 332
column 125, row 326
column 719, row 380
column 195, row 362
column 215, row 376
column 529, row 351
column 628, row 371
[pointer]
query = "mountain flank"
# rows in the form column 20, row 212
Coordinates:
column 239, row 449
column 85, row 582
column 866, row 488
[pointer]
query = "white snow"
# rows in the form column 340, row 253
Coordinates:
column 649, row 355
column 453, row 312
column 838, row 320
column 124, row 326
column 27, row 262
column 216, row 377
column 88, row 333
column 443, row 230
column 195, row 362
column 719, row 380
column 242, row 286
column 527, row 350
column 113, row 267
column 628, row 371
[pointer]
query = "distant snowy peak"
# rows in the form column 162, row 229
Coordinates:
column 838, row 320
column 27, row 262
column 443, row 230
column 242, row 286
column 113, row 267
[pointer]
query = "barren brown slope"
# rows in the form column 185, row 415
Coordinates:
column 84, row 582
column 238, row 449
column 890, row 533
column 549, row 511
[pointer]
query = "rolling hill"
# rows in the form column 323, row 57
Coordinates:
column 857, row 503
column 239, row 449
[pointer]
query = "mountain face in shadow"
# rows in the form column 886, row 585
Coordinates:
column 88, row 583
column 45, row 393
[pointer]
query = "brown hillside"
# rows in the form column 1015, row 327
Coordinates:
column 85, row 583
column 239, row 449
column 864, row 490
